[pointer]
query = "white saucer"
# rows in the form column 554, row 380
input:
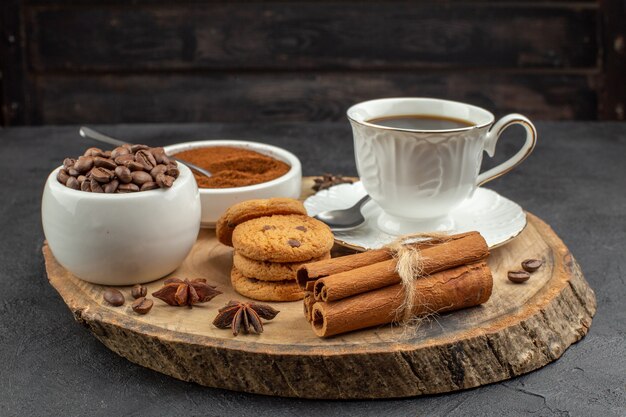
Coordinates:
column 497, row 218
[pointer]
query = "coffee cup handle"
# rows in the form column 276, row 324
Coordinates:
column 492, row 139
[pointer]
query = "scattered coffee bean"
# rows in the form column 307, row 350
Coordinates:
column 294, row 243
column 128, row 168
column 531, row 265
column 111, row 187
column 114, row 297
column 138, row 291
column 127, row 188
column 141, row 177
column 142, row 305
column 62, row 176
column 72, row 183
column 518, row 276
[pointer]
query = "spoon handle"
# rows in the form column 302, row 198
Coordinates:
column 100, row 137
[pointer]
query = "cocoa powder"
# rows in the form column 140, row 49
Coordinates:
column 233, row 167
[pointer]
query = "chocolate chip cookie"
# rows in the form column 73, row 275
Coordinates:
column 265, row 290
column 290, row 238
column 252, row 209
column 270, row 271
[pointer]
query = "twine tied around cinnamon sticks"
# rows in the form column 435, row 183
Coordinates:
column 410, row 267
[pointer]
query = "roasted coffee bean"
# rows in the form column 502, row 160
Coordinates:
column 114, row 297
column 127, row 188
column 150, row 185
column 101, row 174
column 531, row 265
column 159, row 169
column 138, row 291
column 101, row 162
column 160, row 156
column 83, row 164
column 95, row 186
column 93, row 152
column 146, row 159
column 62, row 176
column 164, row 181
column 122, row 159
column 172, row 171
column 142, row 305
column 72, row 183
column 141, row 177
column 133, row 166
column 119, row 151
column 138, row 147
column 127, row 168
column 111, row 187
column 68, row 163
column 123, row 174
column 518, row 276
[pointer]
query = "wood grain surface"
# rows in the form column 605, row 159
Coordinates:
column 521, row 328
column 251, row 61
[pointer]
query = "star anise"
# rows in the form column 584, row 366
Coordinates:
column 178, row 292
column 328, row 180
column 244, row 316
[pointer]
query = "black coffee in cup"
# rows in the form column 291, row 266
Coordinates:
column 421, row 122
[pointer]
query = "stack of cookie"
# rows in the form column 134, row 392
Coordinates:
column 272, row 238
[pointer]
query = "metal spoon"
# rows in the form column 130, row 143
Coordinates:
column 92, row 134
column 344, row 219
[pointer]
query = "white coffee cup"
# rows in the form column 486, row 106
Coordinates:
column 419, row 176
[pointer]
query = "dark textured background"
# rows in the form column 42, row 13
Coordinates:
column 50, row 365
column 163, row 61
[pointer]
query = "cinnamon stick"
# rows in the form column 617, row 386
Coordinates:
column 452, row 289
column 459, row 250
column 315, row 270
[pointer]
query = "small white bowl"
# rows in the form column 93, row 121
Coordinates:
column 215, row 201
column 121, row 239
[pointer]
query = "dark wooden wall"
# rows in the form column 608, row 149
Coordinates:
column 112, row 61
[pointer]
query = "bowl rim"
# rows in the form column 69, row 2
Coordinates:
column 278, row 152
column 184, row 177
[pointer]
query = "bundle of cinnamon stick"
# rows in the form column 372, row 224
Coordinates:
column 363, row 290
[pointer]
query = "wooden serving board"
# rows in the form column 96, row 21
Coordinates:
column 521, row 328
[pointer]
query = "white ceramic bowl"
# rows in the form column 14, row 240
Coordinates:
column 215, row 201
column 121, row 239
